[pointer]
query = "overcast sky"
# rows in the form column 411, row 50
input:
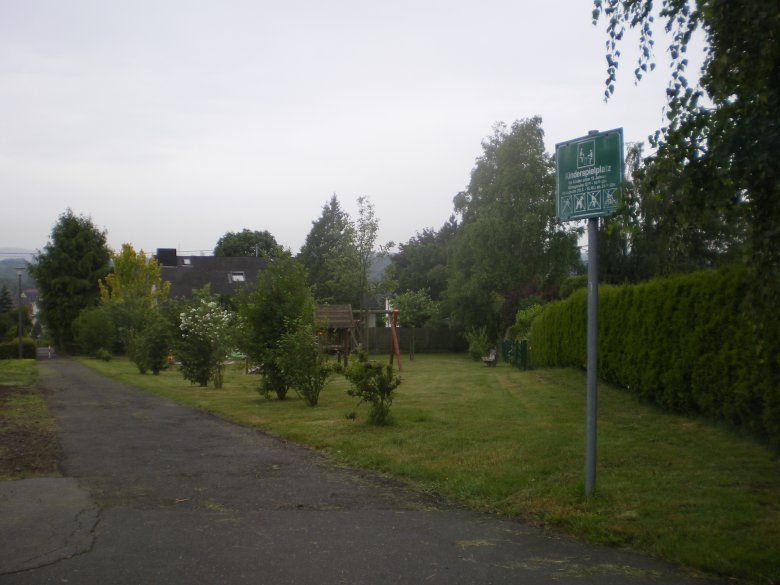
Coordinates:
column 171, row 122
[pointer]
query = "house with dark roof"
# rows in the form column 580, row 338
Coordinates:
column 226, row 274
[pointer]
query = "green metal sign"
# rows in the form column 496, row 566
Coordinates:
column 589, row 173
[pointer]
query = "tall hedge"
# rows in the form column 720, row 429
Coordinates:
column 10, row 349
column 689, row 343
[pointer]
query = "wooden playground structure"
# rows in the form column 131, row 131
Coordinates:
column 338, row 324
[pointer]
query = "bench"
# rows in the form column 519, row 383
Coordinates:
column 490, row 359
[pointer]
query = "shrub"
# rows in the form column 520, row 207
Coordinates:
column 94, row 329
column 373, row 383
column 571, row 284
column 279, row 298
column 207, row 335
column 478, row 342
column 302, row 361
column 103, row 354
column 9, row 350
column 523, row 320
column 149, row 348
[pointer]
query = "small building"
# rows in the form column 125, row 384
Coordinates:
column 225, row 274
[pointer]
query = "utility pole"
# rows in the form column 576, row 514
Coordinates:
column 19, row 272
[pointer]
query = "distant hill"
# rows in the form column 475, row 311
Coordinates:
column 379, row 264
column 10, row 259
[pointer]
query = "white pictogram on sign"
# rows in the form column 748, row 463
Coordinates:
column 609, row 198
column 594, row 201
column 579, row 203
column 586, row 154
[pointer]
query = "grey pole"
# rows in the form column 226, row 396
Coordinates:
column 592, row 376
column 19, row 311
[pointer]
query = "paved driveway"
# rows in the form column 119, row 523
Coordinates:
column 159, row 493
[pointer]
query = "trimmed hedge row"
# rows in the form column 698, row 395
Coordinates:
column 689, row 343
column 9, row 350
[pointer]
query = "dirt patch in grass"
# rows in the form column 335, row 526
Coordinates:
column 27, row 447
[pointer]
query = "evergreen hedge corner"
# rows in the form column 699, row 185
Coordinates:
column 692, row 343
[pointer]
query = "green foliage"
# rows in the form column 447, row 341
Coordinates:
column 330, row 256
column 374, row 383
column 415, row 309
column 9, row 324
column 571, row 284
column 6, row 303
column 207, row 335
column 666, row 226
column 9, row 350
column 366, row 228
column 94, row 329
column 690, row 343
column 525, row 317
column 717, row 154
column 103, row 354
column 135, row 280
column 421, row 263
column 508, row 235
column 67, row 273
column 280, row 298
column 301, row 359
column 247, row 243
column 130, row 294
column 478, row 342
column 150, row 346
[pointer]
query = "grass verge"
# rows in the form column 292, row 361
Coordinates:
column 28, row 440
column 510, row 442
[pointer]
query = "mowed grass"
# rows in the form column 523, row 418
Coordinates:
column 18, row 372
column 511, row 442
column 28, row 442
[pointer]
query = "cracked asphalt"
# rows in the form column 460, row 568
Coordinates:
column 154, row 492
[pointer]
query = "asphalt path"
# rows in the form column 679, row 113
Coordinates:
column 154, row 492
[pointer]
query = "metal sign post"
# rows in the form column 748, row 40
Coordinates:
column 591, row 399
column 589, row 174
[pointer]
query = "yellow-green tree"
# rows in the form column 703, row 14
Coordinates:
column 130, row 295
column 136, row 280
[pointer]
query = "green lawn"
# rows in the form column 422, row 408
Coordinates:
column 28, row 440
column 18, row 372
column 511, row 442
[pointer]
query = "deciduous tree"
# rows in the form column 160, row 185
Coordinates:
column 415, row 309
column 421, row 263
column 130, row 294
column 280, row 298
column 509, row 235
column 247, row 243
column 718, row 152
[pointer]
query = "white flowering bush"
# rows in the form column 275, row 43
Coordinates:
column 207, row 335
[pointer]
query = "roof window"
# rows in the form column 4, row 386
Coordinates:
column 237, row 276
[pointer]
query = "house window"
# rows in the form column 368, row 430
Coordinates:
column 237, row 277
column 186, row 261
